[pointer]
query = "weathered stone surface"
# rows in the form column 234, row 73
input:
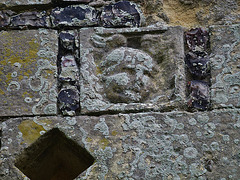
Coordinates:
column 5, row 18
column 190, row 13
column 30, row 19
column 28, row 72
column 225, row 70
column 174, row 145
column 23, row 2
column 131, row 69
column 122, row 14
column 74, row 15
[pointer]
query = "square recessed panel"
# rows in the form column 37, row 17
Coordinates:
column 28, row 83
column 53, row 157
column 127, row 69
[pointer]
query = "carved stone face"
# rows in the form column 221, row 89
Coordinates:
column 127, row 75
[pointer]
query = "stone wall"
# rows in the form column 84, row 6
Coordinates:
column 142, row 89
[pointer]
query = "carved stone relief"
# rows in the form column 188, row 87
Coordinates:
column 116, row 73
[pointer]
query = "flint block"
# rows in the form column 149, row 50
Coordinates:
column 69, row 70
column 198, row 95
column 198, row 64
column 5, row 18
column 9, row 3
column 28, row 81
column 69, row 101
column 30, row 19
column 131, row 69
column 75, row 1
column 74, row 15
column 122, row 14
column 202, row 145
column 197, row 39
column 225, row 70
column 67, row 41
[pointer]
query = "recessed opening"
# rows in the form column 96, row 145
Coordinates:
column 53, row 156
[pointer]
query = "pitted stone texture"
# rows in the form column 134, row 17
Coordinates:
column 28, row 72
column 131, row 69
column 74, row 15
column 225, row 70
column 122, row 14
column 192, row 13
column 30, row 19
column 174, row 145
column 9, row 3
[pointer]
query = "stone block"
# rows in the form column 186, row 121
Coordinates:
column 131, row 69
column 75, row 1
column 9, row 3
column 122, row 14
column 5, row 18
column 74, row 16
column 173, row 145
column 28, row 72
column 225, row 70
column 30, row 19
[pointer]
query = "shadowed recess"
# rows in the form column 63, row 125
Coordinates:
column 53, row 156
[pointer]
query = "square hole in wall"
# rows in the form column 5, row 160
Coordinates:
column 54, row 157
column 131, row 70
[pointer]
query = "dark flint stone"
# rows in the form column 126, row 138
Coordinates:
column 32, row 19
column 121, row 14
column 197, row 39
column 79, row 1
column 5, row 17
column 197, row 63
column 74, row 15
column 68, row 99
column 198, row 95
column 67, row 41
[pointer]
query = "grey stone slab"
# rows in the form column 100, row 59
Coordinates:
column 180, row 145
column 10, row 3
column 225, row 70
column 28, row 72
column 131, row 69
